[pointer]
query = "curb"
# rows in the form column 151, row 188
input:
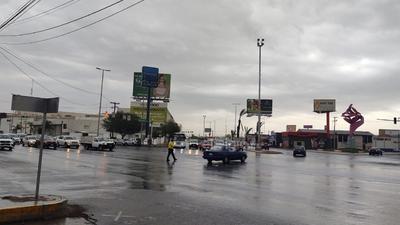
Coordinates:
column 33, row 211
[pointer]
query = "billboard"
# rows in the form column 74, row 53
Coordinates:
column 162, row 91
column 290, row 128
column 253, row 107
column 158, row 112
column 324, row 105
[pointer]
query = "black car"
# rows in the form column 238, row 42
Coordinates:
column 224, row 153
column 299, row 151
column 375, row 151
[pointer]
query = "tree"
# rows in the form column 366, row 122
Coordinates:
column 167, row 129
column 122, row 123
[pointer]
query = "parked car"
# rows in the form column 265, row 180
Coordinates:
column 48, row 142
column 375, row 151
column 224, row 153
column 97, row 143
column 204, row 145
column 67, row 141
column 29, row 141
column 299, row 150
column 16, row 139
column 6, row 142
column 193, row 144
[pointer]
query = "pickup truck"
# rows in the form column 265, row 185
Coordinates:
column 6, row 142
column 96, row 143
column 68, row 142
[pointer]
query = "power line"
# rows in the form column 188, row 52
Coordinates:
column 42, row 86
column 49, row 76
column 46, row 12
column 63, row 24
column 75, row 30
column 17, row 13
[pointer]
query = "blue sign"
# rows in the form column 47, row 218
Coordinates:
column 150, row 76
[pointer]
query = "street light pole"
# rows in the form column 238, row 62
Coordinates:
column 235, row 104
column 204, row 125
column 260, row 43
column 101, row 96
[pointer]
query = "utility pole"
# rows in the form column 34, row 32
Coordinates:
column 101, row 96
column 204, row 125
column 114, row 107
column 260, row 43
column 32, row 87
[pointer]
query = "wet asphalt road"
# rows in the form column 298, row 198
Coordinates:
column 137, row 186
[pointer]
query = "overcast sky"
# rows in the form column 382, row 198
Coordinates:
column 345, row 50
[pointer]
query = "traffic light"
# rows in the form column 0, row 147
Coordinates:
column 395, row 120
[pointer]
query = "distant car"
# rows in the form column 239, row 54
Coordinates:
column 29, row 141
column 48, row 142
column 375, row 151
column 6, row 142
column 193, row 144
column 180, row 144
column 128, row 142
column 204, row 145
column 16, row 139
column 299, row 150
column 224, row 153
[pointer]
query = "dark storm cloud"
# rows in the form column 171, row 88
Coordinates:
column 347, row 50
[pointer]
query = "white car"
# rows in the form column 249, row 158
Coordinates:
column 29, row 141
column 68, row 142
column 6, row 142
column 179, row 144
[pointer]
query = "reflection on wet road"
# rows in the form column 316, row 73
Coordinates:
column 137, row 186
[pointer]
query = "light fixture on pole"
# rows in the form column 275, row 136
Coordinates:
column 101, row 96
column 260, row 43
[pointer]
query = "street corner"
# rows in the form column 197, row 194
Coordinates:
column 26, row 207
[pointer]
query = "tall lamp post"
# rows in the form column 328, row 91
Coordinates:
column 260, row 43
column 334, row 132
column 204, row 125
column 101, row 96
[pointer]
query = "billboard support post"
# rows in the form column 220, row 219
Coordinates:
column 148, row 112
column 260, row 43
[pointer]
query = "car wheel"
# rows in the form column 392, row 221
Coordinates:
column 243, row 159
column 304, row 154
column 209, row 161
column 225, row 160
column 294, row 154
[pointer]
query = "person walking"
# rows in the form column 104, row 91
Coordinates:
column 171, row 150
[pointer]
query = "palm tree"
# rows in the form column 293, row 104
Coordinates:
column 240, row 121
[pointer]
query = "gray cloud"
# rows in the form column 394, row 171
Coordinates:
column 347, row 50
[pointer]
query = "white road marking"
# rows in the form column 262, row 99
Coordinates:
column 118, row 216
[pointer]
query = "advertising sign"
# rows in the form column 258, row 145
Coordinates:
column 150, row 76
column 253, row 107
column 324, row 105
column 158, row 112
column 162, row 91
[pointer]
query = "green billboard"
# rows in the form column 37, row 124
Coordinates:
column 162, row 91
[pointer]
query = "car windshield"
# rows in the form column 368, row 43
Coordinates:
column 69, row 138
column 3, row 136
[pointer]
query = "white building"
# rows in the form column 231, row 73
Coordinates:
column 387, row 139
column 60, row 123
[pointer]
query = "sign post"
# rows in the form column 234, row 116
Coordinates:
column 33, row 104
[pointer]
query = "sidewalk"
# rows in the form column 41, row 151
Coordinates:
column 24, row 208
